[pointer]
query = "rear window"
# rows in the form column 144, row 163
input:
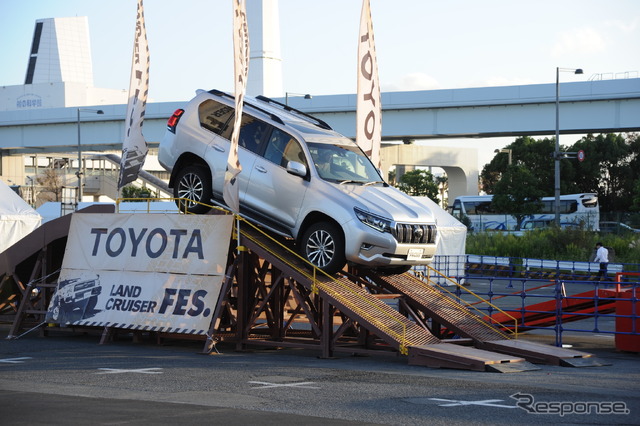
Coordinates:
column 216, row 117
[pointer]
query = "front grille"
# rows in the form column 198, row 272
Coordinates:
column 407, row 233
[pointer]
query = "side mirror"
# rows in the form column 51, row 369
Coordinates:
column 296, row 168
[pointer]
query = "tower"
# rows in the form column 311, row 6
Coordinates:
column 265, row 66
column 60, row 52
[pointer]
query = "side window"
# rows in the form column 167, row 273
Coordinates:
column 283, row 148
column 216, row 117
column 293, row 152
column 456, row 210
column 252, row 133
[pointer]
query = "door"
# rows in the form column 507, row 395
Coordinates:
column 272, row 191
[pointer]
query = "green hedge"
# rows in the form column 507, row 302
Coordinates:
column 555, row 244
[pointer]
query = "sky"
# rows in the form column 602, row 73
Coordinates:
column 420, row 44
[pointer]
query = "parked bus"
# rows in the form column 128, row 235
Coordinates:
column 581, row 209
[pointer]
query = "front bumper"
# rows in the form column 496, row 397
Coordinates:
column 369, row 247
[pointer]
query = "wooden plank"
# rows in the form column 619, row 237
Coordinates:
column 447, row 355
column 534, row 352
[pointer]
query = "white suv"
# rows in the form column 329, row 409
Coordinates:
column 299, row 179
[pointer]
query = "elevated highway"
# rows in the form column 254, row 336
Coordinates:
column 475, row 113
column 586, row 107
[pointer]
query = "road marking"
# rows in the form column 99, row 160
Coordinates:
column 15, row 360
column 153, row 370
column 265, row 385
column 484, row 403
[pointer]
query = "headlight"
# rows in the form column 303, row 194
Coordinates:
column 376, row 222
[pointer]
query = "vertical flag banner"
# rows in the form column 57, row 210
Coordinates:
column 134, row 146
column 241, row 73
column 368, row 106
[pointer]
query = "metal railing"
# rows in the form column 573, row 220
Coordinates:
column 556, row 296
column 508, row 331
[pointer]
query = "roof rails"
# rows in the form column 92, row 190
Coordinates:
column 287, row 108
column 224, row 94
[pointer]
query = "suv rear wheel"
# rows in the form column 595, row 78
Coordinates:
column 323, row 245
column 193, row 185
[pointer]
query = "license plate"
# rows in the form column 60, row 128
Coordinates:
column 415, row 254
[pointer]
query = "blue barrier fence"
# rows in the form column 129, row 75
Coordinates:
column 558, row 296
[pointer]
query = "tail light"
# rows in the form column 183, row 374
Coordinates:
column 173, row 120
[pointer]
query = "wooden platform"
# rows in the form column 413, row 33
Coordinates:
column 448, row 355
column 539, row 353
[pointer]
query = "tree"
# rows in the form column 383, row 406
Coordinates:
column 443, row 187
column 51, row 183
column 392, row 177
column 419, row 182
column 133, row 193
column 610, row 169
column 535, row 154
column 635, row 206
column 517, row 194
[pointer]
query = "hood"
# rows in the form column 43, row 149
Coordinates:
column 388, row 202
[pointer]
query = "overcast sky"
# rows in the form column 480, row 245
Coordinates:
column 421, row 44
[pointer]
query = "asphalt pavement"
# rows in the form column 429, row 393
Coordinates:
column 72, row 379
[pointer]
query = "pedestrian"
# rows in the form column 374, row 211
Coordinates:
column 602, row 256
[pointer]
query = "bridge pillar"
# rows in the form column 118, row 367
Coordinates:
column 460, row 164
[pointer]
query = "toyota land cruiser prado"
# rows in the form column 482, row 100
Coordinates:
column 299, row 179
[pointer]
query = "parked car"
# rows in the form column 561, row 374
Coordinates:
column 299, row 179
column 617, row 228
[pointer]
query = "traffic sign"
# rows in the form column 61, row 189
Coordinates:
column 581, row 155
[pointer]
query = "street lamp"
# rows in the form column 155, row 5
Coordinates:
column 79, row 172
column 556, row 153
column 286, row 96
column 504, row 150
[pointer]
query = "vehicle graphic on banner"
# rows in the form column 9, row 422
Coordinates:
column 75, row 299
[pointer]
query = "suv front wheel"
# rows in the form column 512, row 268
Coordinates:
column 323, row 245
column 191, row 188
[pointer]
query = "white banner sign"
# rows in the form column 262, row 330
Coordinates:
column 241, row 74
column 152, row 272
column 134, row 146
column 368, row 105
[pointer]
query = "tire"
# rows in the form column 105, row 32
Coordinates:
column 90, row 307
column 192, row 187
column 322, row 244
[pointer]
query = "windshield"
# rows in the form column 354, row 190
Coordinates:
column 343, row 163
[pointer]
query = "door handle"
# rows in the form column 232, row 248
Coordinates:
column 261, row 169
column 218, row 148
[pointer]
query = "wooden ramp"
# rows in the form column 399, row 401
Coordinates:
column 380, row 319
column 447, row 355
column 485, row 335
column 543, row 354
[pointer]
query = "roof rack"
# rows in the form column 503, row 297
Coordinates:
column 225, row 94
column 304, row 115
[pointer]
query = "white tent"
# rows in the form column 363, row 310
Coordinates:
column 17, row 218
column 451, row 251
